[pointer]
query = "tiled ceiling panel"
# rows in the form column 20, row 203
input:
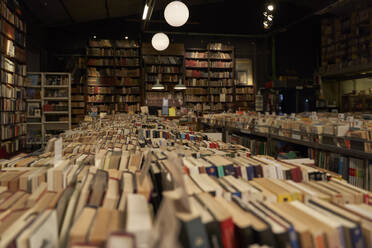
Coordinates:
column 86, row 10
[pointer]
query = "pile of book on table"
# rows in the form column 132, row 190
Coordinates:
column 139, row 181
column 315, row 130
column 303, row 126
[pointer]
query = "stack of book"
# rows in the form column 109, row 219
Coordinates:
column 142, row 181
column 331, row 138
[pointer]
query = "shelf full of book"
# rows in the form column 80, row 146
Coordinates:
column 48, row 106
column 78, row 91
column 113, row 76
column 165, row 67
column 209, row 78
column 13, row 73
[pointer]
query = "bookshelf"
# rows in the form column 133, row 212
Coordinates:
column 244, row 97
column 221, row 76
column 197, row 83
column 113, row 75
column 209, row 78
column 34, row 123
column 78, row 92
column 168, row 66
column 48, row 106
column 13, row 72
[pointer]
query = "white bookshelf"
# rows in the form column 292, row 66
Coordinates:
column 55, row 94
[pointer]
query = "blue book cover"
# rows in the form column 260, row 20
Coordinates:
column 250, row 172
column 229, row 170
column 212, row 171
column 357, row 238
column 193, row 234
column 238, row 194
column 340, row 165
column 293, row 238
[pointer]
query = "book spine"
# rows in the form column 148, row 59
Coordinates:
column 228, row 234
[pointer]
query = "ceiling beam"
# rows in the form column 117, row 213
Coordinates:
column 67, row 11
column 107, row 9
column 158, row 21
column 212, row 34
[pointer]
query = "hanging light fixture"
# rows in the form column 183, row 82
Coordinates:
column 270, row 7
column 176, row 13
column 158, row 85
column 180, row 85
column 160, row 41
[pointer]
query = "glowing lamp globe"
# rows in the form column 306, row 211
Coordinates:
column 176, row 13
column 160, row 41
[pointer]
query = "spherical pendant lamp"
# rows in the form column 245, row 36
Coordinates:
column 160, row 41
column 176, row 13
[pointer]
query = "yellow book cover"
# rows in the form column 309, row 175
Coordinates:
column 172, row 112
column 284, row 198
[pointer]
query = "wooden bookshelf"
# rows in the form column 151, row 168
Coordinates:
column 78, row 92
column 221, row 76
column 113, row 76
column 166, row 65
column 346, row 42
column 13, row 76
column 197, row 79
column 209, row 77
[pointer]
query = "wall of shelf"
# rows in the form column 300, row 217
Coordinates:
column 13, row 73
column 168, row 66
column 113, row 64
column 211, row 68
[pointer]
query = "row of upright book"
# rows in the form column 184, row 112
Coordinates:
column 143, row 181
column 323, row 133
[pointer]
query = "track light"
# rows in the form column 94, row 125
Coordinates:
column 270, row 7
column 270, row 17
column 145, row 11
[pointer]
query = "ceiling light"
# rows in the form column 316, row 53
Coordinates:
column 126, row 37
column 176, row 13
column 160, row 41
column 270, row 7
column 270, row 17
column 145, row 11
column 94, row 37
column 180, row 85
column 266, row 24
column 158, row 86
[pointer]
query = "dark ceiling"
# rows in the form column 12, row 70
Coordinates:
column 213, row 16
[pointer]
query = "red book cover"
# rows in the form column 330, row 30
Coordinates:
column 186, row 170
column 228, row 233
column 238, row 171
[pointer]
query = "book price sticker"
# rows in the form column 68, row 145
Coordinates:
column 341, row 117
column 57, row 151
